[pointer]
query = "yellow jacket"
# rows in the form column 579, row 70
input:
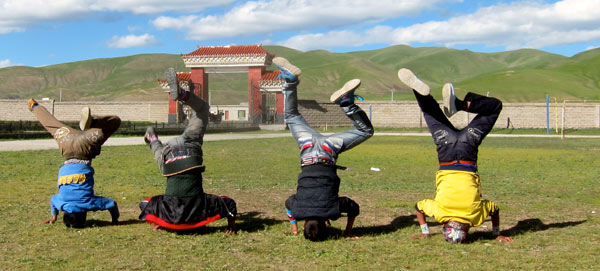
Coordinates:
column 457, row 198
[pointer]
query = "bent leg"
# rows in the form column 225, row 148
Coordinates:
column 107, row 126
column 298, row 126
column 487, row 110
column 196, row 128
column 50, row 123
column 363, row 129
column 434, row 117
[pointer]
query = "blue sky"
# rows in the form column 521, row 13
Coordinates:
column 41, row 32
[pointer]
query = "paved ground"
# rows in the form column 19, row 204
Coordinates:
column 44, row 144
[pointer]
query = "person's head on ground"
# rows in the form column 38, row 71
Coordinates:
column 455, row 232
column 74, row 220
column 316, row 230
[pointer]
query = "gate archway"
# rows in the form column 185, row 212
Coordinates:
column 251, row 59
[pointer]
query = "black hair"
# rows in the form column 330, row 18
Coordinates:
column 75, row 220
column 315, row 230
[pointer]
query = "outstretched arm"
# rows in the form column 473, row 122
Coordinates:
column 49, row 221
column 230, row 225
column 496, row 229
column 114, row 214
column 293, row 222
column 348, row 230
column 424, row 228
column 54, row 212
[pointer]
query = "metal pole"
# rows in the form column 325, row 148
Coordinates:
column 370, row 112
column 562, row 136
column 547, row 114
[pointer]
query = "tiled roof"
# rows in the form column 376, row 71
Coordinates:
column 181, row 77
column 229, row 50
column 228, row 56
column 269, row 81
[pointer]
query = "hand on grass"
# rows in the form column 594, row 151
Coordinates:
column 505, row 239
column 155, row 226
column 420, row 236
column 49, row 221
column 351, row 236
column 292, row 232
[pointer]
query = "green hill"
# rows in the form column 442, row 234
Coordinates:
column 514, row 76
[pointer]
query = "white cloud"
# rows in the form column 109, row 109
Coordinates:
column 7, row 63
column 260, row 17
column 517, row 25
column 592, row 48
column 16, row 15
column 132, row 41
column 156, row 6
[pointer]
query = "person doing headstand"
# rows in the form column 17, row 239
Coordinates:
column 457, row 203
column 316, row 200
column 76, row 176
column 184, row 205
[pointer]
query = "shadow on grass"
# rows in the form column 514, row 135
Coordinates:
column 247, row 222
column 396, row 224
column 104, row 223
column 524, row 226
column 251, row 222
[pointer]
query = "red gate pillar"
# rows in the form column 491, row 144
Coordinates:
column 254, row 95
column 172, row 118
column 279, row 113
column 200, row 82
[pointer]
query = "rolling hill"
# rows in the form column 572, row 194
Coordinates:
column 524, row 75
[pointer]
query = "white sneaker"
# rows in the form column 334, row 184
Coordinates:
column 449, row 100
column 411, row 80
column 339, row 96
column 86, row 119
column 287, row 70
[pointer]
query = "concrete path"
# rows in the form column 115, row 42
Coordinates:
column 44, row 144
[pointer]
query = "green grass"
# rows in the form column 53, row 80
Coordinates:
column 547, row 190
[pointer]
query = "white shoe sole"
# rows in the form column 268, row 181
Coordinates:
column 449, row 100
column 86, row 119
column 284, row 63
column 411, row 80
column 171, row 76
column 349, row 86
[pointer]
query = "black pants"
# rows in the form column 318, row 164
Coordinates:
column 454, row 144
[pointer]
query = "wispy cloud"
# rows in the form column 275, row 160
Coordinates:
column 132, row 41
column 260, row 17
column 156, row 6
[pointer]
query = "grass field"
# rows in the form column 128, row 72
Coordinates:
column 547, row 190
